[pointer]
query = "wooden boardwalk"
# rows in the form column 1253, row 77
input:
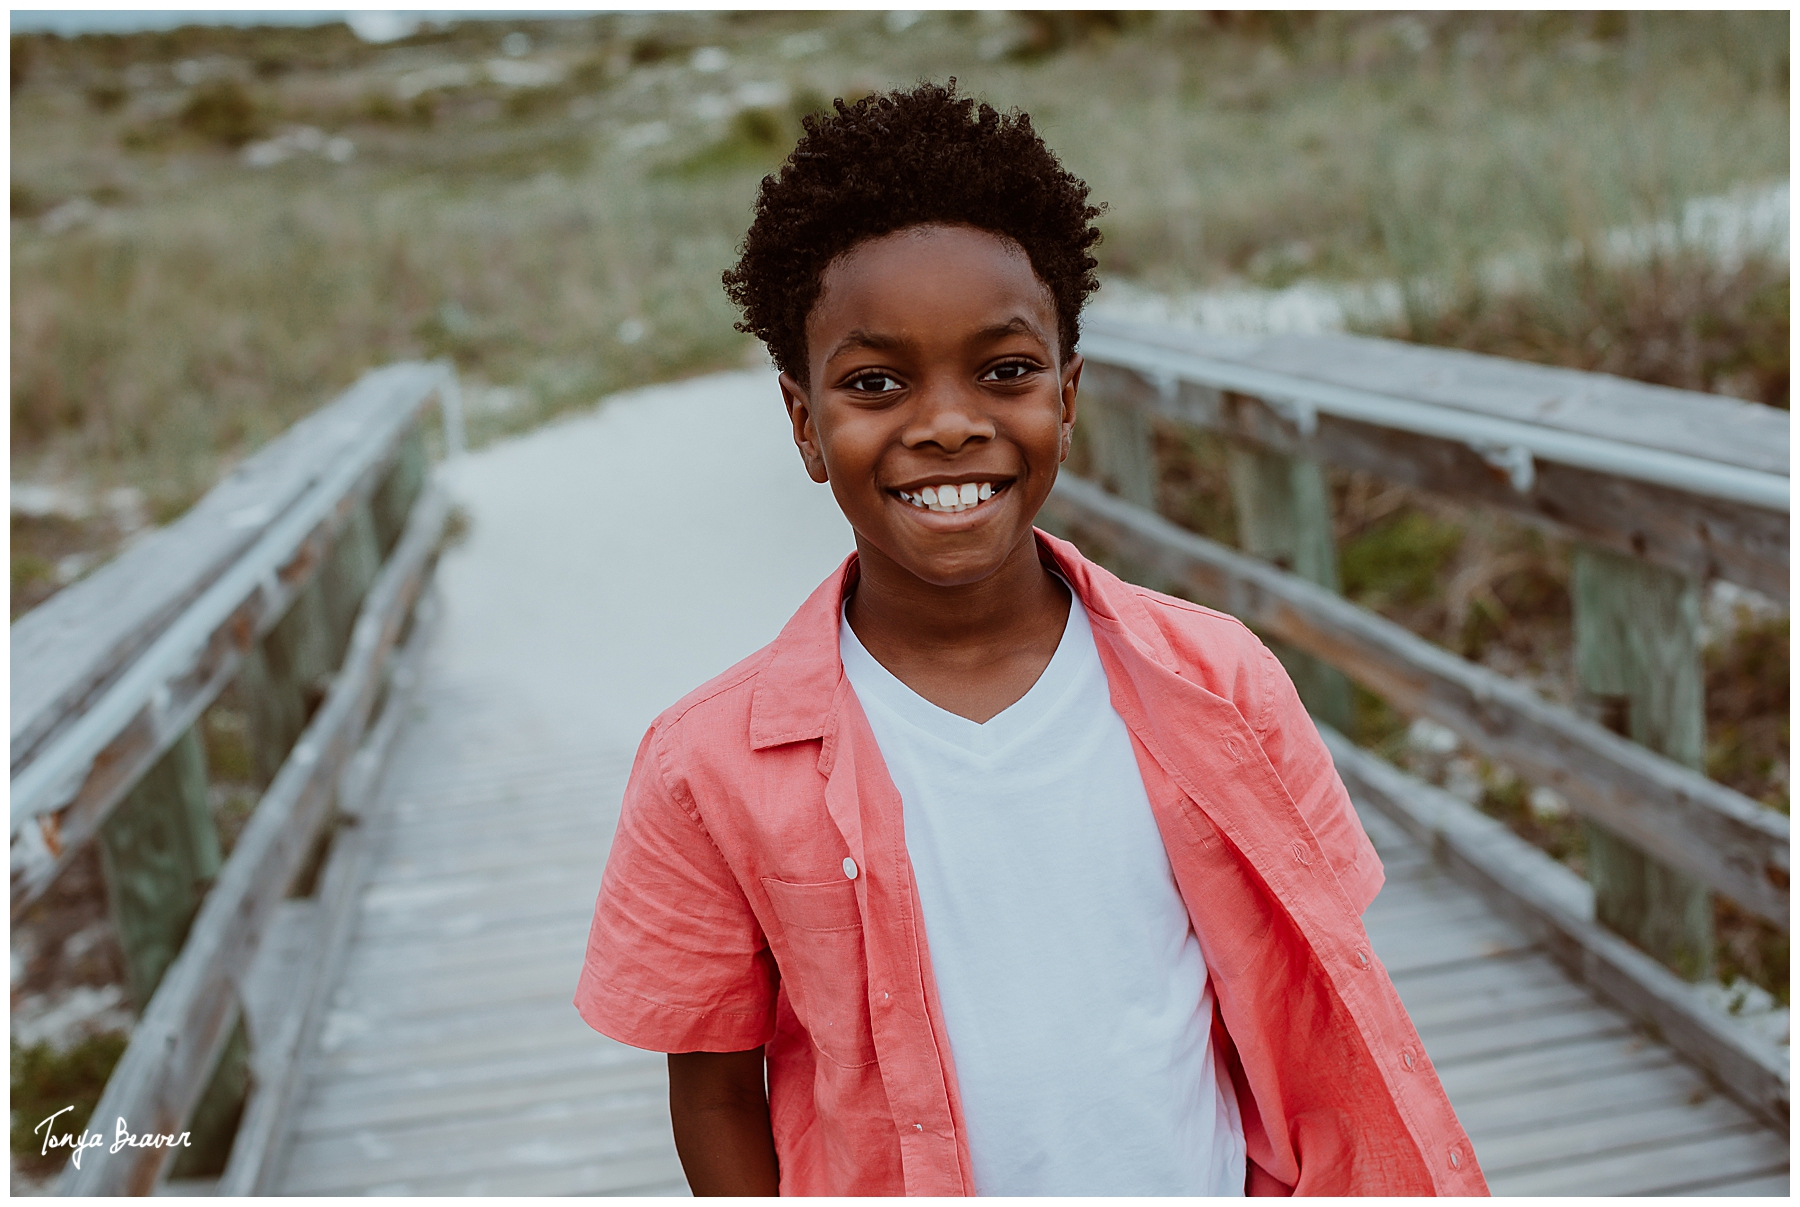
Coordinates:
column 585, row 599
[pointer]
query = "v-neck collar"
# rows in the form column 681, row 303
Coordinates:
column 986, row 739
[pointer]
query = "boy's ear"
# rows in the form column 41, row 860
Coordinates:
column 806, row 431
column 1071, row 383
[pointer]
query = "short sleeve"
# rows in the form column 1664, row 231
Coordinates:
column 676, row 961
column 1301, row 759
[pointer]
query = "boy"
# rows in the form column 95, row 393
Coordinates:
column 992, row 874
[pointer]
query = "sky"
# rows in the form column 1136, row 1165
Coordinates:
column 373, row 26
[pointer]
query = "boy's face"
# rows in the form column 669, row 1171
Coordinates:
column 933, row 364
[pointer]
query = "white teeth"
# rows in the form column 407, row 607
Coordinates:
column 949, row 499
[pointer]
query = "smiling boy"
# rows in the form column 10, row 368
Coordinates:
column 992, row 873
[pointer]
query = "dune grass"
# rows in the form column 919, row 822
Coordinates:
column 173, row 307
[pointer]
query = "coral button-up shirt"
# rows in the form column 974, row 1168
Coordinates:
column 759, row 893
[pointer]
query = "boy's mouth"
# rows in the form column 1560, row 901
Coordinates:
column 950, row 498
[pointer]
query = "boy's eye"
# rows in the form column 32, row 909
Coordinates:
column 1012, row 370
column 874, row 383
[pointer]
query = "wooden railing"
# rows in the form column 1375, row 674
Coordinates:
column 1659, row 490
column 296, row 580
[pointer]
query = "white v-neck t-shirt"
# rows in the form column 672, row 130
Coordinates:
column 1073, row 988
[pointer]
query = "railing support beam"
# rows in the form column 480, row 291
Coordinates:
column 1284, row 516
column 1638, row 657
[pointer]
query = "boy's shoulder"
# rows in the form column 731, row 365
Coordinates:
column 728, row 692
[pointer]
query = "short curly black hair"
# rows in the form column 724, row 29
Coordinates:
column 893, row 161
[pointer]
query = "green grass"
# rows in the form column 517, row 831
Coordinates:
column 1399, row 561
column 44, row 1081
column 210, row 304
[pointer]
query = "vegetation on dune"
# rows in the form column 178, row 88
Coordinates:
column 555, row 220
column 44, row 1081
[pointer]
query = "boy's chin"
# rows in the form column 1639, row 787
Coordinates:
column 950, row 559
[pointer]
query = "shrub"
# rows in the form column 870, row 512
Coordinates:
column 222, row 112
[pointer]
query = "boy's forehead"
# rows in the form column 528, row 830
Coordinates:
column 937, row 275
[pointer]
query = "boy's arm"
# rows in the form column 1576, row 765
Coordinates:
column 720, row 1110
column 1300, row 758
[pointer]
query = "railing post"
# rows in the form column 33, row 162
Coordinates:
column 159, row 853
column 1638, row 657
column 1284, row 516
column 1124, row 451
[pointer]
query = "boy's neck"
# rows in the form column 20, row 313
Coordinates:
column 971, row 649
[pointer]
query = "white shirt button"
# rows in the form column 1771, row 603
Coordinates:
column 1362, row 958
column 919, row 1127
column 849, row 868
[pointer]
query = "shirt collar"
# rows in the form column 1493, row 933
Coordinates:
column 797, row 687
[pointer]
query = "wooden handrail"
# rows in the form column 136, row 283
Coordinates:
column 107, row 675
column 177, row 1041
column 1554, row 906
column 1694, row 482
column 1715, row 834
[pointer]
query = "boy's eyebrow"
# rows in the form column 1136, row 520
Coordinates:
column 1016, row 325
column 861, row 338
column 877, row 342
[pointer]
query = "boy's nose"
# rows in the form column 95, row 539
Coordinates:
column 948, row 418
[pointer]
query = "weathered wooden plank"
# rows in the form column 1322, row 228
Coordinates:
column 534, row 830
column 469, row 914
column 1770, row 1185
column 1430, row 949
column 523, row 774
column 1434, row 984
column 1625, row 1127
column 1638, row 658
column 66, row 651
column 471, row 901
column 1719, row 836
column 1583, row 1021
column 630, row 1174
column 1555, row 906
column 1652, row 1084
column 1695, row 534
column 488, row 858
column 71, row 781
column 1483, row 1010
column 1431, row 912
column 1284, row 516
column 573, row 1080
column 564, row 1132
column 393, row 500
column 502, row 1029
column 158, row 852
column 178, row 1038
column 598, row 1064
column 1664, row 1169
column 555, row 951
column 425, row 999
column 502, row 922
column 1123, row 452
column 1546, row 1068
column 1615, row 409
column 300, row 975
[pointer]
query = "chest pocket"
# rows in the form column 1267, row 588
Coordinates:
column 823, row 967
